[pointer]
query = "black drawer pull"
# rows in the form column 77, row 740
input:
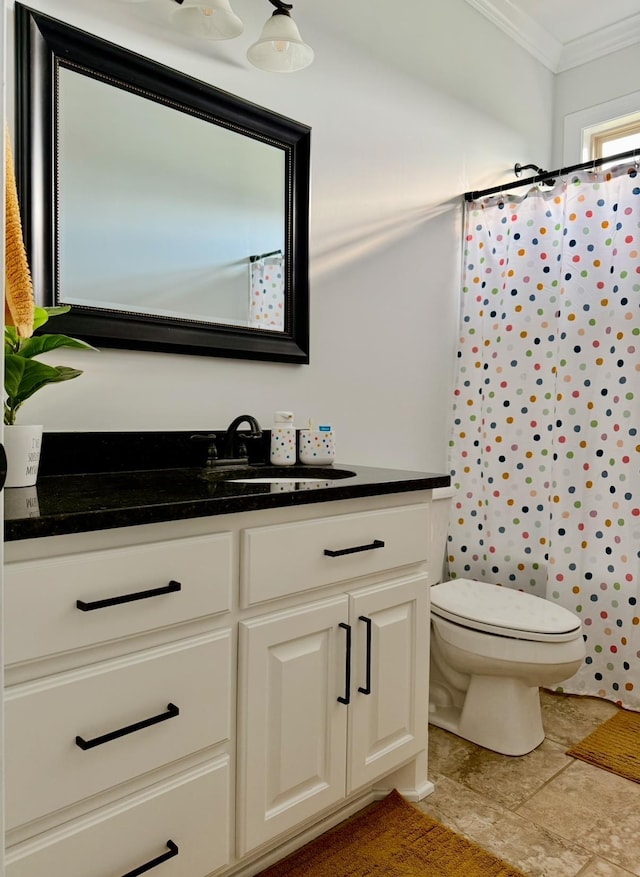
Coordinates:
column 367, row 685
column 129, row 598
column 172, row 711
column 377, row 543
column 347, row 665
column 173, row 851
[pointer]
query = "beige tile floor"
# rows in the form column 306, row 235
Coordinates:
column 548, row 814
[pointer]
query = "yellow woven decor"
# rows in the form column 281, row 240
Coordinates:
column 613, row 746
column 391, row 838
column 18, row 302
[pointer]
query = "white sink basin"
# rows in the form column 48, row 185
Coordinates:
column 295, row 480
column 295, row 475
column 299, row 478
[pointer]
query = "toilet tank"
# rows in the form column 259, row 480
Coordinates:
column 441, row 501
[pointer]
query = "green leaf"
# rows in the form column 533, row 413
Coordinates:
column 24, row 377
column 13, row 371
column 38, row 344
column 41, row 315
column 11, row 340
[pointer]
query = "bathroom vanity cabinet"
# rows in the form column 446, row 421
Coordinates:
column 205, row 695
column 78, row 802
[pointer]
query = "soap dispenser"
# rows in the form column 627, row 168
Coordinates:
column 283, row 439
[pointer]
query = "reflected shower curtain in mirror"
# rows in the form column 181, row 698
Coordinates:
column 545, row 450
column 266, row 303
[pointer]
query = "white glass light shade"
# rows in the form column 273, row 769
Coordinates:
column 280, row 48
column 208, row 19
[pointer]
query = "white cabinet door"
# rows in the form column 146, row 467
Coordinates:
column 87, row 598
column 77, row 733
column 388, row 725
column 292, row 728
column 302, row 556
column 302, row 686
column 183, row 822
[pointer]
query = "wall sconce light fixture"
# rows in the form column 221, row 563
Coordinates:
column 279, row 49
column 210, row 19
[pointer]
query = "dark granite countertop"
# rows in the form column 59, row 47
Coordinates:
column 82, row 501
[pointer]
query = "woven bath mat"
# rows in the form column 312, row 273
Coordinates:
column 391, row 838
column 613, row 746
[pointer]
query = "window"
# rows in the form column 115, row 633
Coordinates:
column 610, row 138
column 578, row 127
column 617, row 140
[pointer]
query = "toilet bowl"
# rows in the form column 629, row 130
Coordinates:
column 491, row 650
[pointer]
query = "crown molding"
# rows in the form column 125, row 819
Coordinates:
column 522, row 29
column 555, row 55
column 609, row 39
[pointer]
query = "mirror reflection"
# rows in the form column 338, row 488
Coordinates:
column 205, row 243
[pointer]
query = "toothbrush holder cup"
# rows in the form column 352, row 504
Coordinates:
column 316, row 447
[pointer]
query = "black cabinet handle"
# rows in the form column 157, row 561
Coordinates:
column 3, row 466
column 129, row 598
column 377, row 543
column 367, row 687
column 347, row 666
column 173, row 851
column 172, row 712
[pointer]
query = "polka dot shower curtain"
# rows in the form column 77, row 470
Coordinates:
column 545, row 451
column 266, row 303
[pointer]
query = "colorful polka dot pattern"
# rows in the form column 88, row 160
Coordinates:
column 267, row 295
column 283, row 445
column 545, row 451
column 317, row 447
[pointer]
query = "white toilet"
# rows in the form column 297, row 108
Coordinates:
column 491, row 649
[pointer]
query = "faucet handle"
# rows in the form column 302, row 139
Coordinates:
column 204, row 437
column 212, row 450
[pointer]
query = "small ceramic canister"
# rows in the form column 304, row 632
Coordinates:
column 317, row 446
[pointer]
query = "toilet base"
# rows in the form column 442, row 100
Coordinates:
column 498, row 713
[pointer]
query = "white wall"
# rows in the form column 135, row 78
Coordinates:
column 592, row 93
column 403, row 122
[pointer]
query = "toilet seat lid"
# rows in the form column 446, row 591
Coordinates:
column 505, row 611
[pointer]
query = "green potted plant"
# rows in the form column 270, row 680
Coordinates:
column 24, row 375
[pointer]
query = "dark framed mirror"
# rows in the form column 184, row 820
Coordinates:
column 170, row 215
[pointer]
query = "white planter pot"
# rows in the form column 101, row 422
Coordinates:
column 22, row 445
column 21, row 502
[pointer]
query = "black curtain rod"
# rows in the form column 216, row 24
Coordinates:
column 264, row 255
column 545, row 175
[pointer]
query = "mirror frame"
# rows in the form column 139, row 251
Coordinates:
column 43, row 44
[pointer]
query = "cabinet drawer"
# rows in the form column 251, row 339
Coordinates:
column 292, row 558
column 43, row 594
column 48, row 770
column 192, row 811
